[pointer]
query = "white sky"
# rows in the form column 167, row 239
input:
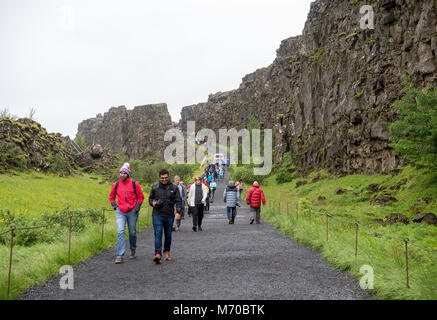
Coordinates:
column 73, row 59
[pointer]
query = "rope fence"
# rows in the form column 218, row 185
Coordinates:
column 277, row 205
column 13, row 231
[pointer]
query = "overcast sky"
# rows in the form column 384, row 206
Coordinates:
column 73, row 59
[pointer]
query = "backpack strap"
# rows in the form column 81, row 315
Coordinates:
column 116, row 187
column 134, row 185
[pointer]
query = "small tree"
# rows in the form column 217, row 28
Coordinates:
column 4, row 113
column 32, row 112
column 414, row 135
column 80, row 141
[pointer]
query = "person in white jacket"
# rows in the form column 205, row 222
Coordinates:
column 197, row 200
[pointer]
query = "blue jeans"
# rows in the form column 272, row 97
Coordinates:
column 231, row 213
column 121, row 219
column 161, row 224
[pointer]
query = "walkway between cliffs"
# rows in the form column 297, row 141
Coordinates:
column 223, row 262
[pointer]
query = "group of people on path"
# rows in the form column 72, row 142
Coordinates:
column 168, row 201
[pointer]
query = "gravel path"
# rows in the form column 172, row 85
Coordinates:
column 224, row 262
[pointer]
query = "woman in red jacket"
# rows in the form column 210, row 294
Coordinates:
column 129, row 200
column 254, row 197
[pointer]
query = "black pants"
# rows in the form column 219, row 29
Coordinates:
column 198, row 215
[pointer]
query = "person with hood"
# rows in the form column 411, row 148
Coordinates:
column 254, row 197
column 230, row 196
column 164, row 197
column 197, row 200
column 126, row 197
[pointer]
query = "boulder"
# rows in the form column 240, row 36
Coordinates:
column 373, row 188
column 339, row 191
column 429, row 218
column 383, row 200
column 397, row 218
column 96, row 151
column 301, row 183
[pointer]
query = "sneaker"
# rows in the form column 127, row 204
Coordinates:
column 157, row 258
column 118, row 260
column 194, row 229
column 173, row 228
column 167, row 256
column 200, row 228
column 132, row 255
column 252, row 220
column 258, row 222
column 230, row 221
column 177, row 229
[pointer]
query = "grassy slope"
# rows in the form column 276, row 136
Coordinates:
column 33, row 193
column 386, row 256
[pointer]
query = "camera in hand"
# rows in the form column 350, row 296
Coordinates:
column 158, row 204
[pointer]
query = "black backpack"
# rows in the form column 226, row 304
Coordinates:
column 133, row 185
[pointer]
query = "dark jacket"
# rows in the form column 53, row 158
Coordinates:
column 169, row 196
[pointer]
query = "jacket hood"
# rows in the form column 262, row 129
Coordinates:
column 256, row 185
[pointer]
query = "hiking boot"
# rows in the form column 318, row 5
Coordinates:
column 258, row 222
column 157, row 258
column 177, row 229
column 200, row 228
column 118, row 260
column 252, row 220
column 167, row 256
column 230, row 221
column 173, row 228
column 194, row 229
column 132, row 255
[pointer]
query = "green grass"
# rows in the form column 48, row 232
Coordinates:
column 33, row 194
column 385, row 255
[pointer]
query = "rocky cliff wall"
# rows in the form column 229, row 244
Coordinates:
column 329, row 93
column 136, row 133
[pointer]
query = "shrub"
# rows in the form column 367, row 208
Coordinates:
column 414, row 135
column 283, row 177
column 58, row 164
column 245, row 173
column 13, row 156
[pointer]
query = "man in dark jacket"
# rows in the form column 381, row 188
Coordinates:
column 164, row 197
column 127, row 206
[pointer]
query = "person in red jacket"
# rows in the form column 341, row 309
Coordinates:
column 254, row 197
column 129, row 200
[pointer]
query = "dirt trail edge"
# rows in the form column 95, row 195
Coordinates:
column 223, row 262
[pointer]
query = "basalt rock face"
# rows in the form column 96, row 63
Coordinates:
column 136, row 133
column 329, row 93
column 24, row 143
